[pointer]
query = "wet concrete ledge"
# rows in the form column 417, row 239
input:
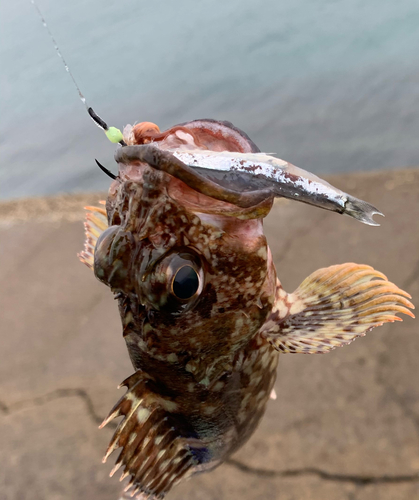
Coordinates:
column 344, row 426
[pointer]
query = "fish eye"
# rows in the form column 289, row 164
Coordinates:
column 175, row 282
column 185, row 283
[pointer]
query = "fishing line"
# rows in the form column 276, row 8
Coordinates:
column 112, row 133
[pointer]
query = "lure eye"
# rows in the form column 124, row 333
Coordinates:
column 185, row 283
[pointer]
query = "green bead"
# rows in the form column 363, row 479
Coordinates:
column 114, row 134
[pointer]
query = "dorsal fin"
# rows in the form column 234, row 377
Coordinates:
column 153, row 453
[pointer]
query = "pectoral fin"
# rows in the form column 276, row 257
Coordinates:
column 96, row 222
column 332, row 307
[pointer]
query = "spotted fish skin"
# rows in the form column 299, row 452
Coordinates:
column 205, row 365
column 203, row 369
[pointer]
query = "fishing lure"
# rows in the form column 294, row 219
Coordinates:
column 204, row 316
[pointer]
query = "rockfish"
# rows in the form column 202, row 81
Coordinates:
column 204, row 316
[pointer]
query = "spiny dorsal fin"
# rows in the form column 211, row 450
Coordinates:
column 96, row 222
column 154, row 453
column 332, row 307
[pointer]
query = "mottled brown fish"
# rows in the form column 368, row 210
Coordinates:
column 204, row 315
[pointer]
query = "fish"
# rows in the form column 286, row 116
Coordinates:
column 180, row 243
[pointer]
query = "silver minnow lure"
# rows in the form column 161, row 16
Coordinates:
column 283, row 178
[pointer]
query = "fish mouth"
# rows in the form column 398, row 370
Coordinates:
column 167, row 162
column 247, row 179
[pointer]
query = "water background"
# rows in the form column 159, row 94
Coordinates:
column 332, row 86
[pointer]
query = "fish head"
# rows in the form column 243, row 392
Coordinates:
column 193, row 274
column 185, row 249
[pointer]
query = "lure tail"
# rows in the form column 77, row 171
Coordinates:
column 332, row 307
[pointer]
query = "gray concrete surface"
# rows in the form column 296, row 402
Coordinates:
column 344, row 426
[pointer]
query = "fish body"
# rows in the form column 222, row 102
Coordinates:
column 203, row 313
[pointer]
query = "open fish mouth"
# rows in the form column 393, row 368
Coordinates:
column 247, row 179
